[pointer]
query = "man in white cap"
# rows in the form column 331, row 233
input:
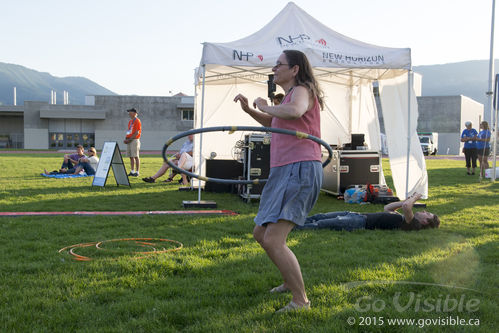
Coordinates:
column 132, row 141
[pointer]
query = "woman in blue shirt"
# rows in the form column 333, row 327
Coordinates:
column 468, row 137
column 483, row 147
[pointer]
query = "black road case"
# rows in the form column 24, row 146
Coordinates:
column 256, row 163
column 351, row 167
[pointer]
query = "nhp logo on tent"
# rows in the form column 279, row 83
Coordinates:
column 290, row 41
column 244, row 56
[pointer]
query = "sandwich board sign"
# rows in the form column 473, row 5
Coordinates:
column 110, row 157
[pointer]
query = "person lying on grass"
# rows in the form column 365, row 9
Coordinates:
column 388, row 219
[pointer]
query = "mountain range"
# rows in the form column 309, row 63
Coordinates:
column 468, row 78
column 32, row 85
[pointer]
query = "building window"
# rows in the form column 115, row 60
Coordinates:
column 187, row 114
column 71, row 140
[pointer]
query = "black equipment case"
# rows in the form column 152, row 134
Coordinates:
column 351, row 167
column 256, row 163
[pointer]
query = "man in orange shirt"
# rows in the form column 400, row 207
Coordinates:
column 132, row 141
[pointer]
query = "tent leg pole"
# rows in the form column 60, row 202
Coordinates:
column 494, row 147
column 489, row 92
column 491, row 107
column 493, row 134
column 201, row 135
column 199, row 203
column 408, row 132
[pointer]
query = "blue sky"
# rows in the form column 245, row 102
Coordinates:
column 151, row 47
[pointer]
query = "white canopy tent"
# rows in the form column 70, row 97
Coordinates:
column 346, row 69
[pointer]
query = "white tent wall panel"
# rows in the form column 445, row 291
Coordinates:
column 334, row 120
column 221, row 110
column 364, row 116
column 349, row 110
column 394, row 100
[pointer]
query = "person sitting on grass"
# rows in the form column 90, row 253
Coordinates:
column 185, row 162
column 186, row 149
column 87, row 164
column 388, row 219
column 70, row 161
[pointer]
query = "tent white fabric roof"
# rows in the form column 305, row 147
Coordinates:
column 327, row 50
column 345, row 68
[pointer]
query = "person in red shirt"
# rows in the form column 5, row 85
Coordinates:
column 132, row 141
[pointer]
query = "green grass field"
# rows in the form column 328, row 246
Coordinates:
column 219, row 281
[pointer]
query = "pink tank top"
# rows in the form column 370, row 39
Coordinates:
column 287, row 149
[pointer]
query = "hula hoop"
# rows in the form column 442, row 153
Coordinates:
column 144, row 242
column 232, row 129
column 98, row 245
column 77, row 256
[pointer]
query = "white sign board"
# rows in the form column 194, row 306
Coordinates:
column 110, row 157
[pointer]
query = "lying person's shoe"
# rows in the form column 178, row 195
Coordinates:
column 292, row 306
column 149, row 180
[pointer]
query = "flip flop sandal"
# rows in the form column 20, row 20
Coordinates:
column 279, row 289
column 292, row 306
